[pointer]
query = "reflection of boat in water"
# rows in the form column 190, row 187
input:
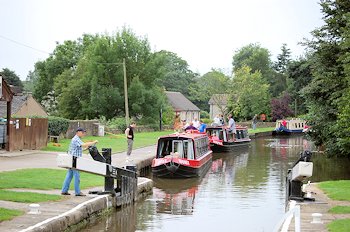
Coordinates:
column 175, row 196
column 288, row 127
column 222, row 140
column 182, row 155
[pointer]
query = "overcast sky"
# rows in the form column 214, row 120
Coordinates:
column 204, row 33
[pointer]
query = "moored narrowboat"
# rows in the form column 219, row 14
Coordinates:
column 221, row 139
column 291, row 126
column 182, row 155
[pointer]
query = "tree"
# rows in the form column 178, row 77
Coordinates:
column 30, row 82
column 204, row 87
column 280, row 107
column 325, row 94
column 298, row 77
column 283, row 60
column 279, row 78
column 255, row 57
column 171, row 72
column 11, row 78
column 250, row 94
column 65, row 56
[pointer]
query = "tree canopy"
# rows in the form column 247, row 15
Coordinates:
column 11, row 78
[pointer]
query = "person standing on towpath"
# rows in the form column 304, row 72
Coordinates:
column 76, row 149
column 129, row 133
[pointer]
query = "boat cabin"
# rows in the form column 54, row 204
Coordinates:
column 294, row 125
column 184, row 145
column 225, row 135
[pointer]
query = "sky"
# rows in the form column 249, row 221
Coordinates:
column 204, row 33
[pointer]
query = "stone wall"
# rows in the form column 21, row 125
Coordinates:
column 91, row 127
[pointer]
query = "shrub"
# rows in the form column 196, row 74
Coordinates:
column 57, row 125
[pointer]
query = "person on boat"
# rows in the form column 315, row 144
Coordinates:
column 190, row 127
column 216, row 121
column 196, row 123
column 202, row 128
column 254, row 121
column 222, row 121
column 284, row 123
column 185, row 124
column 177, row 123
column 231, row 126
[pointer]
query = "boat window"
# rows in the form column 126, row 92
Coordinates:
column 221, row 135
column 178, row 147
column 164, row 148
column 190, row 153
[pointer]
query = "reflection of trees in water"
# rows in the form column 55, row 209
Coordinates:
column 330, row 168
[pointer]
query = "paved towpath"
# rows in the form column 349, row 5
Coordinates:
column 10, row 161
column 40, row 159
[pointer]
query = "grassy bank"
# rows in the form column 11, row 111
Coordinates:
column 42, row 179
column 338, row 190
column 116, row 142
column 258, row 130
column 8, row 214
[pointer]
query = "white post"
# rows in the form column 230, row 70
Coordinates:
column 297, row 218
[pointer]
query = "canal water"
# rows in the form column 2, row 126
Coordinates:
column 244, row 190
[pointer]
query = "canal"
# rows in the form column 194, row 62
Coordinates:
column 243, row 191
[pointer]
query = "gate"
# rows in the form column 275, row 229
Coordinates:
column 28, row 133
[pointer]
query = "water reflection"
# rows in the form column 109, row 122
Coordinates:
column 243, row 191
column 175, row 196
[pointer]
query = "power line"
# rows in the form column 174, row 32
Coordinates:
column 24, row 45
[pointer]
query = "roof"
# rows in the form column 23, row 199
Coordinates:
column 179, row 102
column 219, row 99
column 187, row 135
column 16, row 104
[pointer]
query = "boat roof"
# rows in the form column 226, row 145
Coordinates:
column 188, row 135
column 292, row 120
column 224, row 127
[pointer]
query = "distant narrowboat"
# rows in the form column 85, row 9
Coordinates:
column 291, row 126
column 182, row 155
column 221, row 139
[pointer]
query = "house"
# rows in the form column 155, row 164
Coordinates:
column 23, row 105
column 182, row 106
column 218, row 104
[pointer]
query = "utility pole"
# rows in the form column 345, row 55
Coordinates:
column 126, row 95
column 295, row 111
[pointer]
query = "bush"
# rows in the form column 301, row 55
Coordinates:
column 57, row 125
column 204, row 114
column 116, row 123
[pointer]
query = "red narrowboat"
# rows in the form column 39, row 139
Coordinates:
column 221, row 139
column 182, row 155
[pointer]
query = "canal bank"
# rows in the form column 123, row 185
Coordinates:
column 85, row 210
column 72, row 211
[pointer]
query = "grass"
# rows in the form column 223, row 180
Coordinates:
column 258, row 130
column 27, row 197
column 340, row 210
column 337, row 190
column 45, row 179
column 8, row 214
column 116, row 142
column 341, row 225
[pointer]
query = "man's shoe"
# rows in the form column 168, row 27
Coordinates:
column 80, row 195
column 65, row 193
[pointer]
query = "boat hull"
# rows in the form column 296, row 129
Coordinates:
column 173, row 169
column 228, row 146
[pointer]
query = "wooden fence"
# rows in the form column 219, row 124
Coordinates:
column 28, row 133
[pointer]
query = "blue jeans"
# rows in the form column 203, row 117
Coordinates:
column 254, row 126
column 69, row 176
